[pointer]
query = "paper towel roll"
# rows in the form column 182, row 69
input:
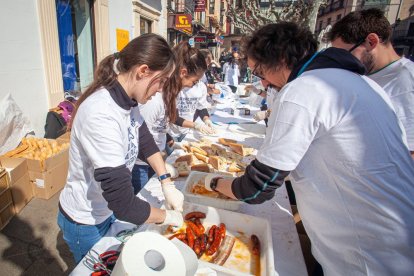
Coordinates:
column 148, row 253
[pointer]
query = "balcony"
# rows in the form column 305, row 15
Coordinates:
column 337, row 5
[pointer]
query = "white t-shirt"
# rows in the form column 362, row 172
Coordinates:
column 231, row 74
column 352, row 174
column 271, row 96
column 153, row 113
column 398, row 81
column 188, row 101
column 103, row 135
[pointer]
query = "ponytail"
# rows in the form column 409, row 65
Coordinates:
column 192, row 60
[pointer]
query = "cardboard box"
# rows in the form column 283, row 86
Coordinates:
column 4, row 181
column 22, row 192
column 6, row 215
column 65, row 138
column 15, row 167
column 48, row 183
column 20, row 186
column 5, row 199
column 49, row 163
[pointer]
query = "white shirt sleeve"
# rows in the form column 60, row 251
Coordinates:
column 102, row 140
column 291, row 130
column 203, row 103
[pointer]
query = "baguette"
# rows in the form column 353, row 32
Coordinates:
column 234, row 167
column 208, row 149
column 189, row 158
column 19, row 149
column 201, row 157
column 183, row 168
column 218, row 150
column 225, row 141
column 201, row 168
column 237, row 148
column 217, row 163
column 198, row 150
column 232, row 156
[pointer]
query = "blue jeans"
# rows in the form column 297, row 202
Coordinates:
column 81, row 238
column 140, row 176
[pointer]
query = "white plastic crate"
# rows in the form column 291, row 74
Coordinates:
column 194, row 177
column 235, row 223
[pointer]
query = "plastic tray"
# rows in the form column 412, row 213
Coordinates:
column 194, row 177
column 235, row 223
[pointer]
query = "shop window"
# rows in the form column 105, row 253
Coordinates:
column 77, row 50
column 144, row 26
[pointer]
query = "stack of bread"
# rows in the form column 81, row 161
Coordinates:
column 226, row 157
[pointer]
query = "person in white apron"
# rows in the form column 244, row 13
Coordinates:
column 337, row 135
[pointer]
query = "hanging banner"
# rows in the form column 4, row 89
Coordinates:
column 199, row 5
column 183, row 23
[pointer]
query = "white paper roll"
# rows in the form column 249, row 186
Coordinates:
column 149, row 253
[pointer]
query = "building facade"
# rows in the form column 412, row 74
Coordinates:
column 52, row 47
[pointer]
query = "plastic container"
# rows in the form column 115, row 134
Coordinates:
column 193, row 178
column 235, row 224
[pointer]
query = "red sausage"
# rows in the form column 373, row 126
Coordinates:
column 194, row 215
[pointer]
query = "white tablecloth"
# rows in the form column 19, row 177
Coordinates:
column 288, row 256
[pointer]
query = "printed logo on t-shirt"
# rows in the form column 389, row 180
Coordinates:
column 133, row 137
column 187, row 105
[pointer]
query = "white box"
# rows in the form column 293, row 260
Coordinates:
column 194, row 177
column 235, row 223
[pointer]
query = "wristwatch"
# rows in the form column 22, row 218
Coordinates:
column 213, row 183
column 164, row 176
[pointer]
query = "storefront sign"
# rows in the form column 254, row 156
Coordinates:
column 191, row 41
column 199, row 5
column 183, row 22
column 200, row 39
column 122, row 39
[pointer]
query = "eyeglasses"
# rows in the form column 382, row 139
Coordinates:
column 359, row 43
column 257, row 74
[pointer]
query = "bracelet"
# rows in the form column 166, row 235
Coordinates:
column 213, row 183
column 164, row 176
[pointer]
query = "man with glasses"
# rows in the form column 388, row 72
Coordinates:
column 336, row 134
column 367, row 35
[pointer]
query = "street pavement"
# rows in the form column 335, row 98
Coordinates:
column 32, row 243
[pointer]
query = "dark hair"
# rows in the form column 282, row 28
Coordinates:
column 206, row 53
column 186, row 57
column 357, row 25
column 279, row 44
column 149, row 49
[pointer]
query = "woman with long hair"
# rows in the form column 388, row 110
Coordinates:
column 162, row 110
column 107, row 134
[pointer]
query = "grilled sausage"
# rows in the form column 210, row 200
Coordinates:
column 179, row 236
column 199, row 225
column 190, row 237
column 197, row 248
column 256, row 245
column 211, row 234
column 194, row 215
column 194, row 228
column 216, row 242
column 222, row 229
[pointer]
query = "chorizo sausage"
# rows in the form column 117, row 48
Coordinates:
column 199, row 225
column 197, row 248
column 216, row 242
column 256, row 245
column 179, row 236
column 194, row 228
column 211, row 234
column 194, row 215
column 222, row 229
column 190, row 237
